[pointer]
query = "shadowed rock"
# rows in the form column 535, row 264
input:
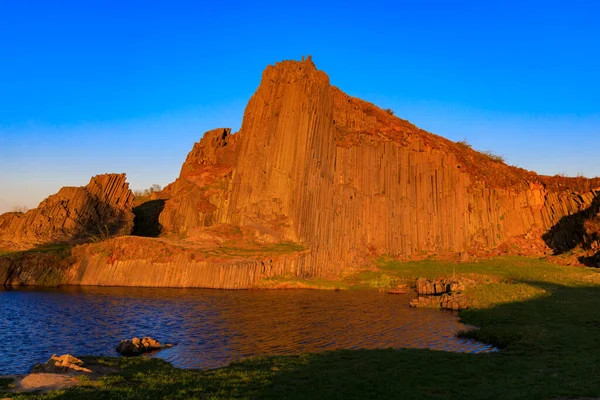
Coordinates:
column 137, row 346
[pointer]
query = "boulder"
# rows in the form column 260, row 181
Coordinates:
column 137, row 346
column 437, row 287
column 61, row 364
column 453, row 302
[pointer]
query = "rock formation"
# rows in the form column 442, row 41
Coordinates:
column 137, row 346
column 61, row 364
column 102, row 208
column 195, row 196
column 349, row 180
column 337, row 177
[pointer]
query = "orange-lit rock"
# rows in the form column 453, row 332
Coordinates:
column 337, row 175
column 348, row 180
column 100, row 209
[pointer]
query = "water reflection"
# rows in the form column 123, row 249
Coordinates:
column 212, row 328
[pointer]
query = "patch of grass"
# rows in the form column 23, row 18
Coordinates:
column 493, row 156
column 58, row 249
column 376, row 279
column 272, row 249
column 294, row 282
column 5, row 383
column 464, row 144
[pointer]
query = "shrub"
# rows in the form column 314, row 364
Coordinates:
column 147, row 192
column 19, row 209
column 493, row 156
column 389, row 111
column 464, row 144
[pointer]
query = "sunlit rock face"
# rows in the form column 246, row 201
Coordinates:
column 315, row 183
column 349, row 181
column 100, row 209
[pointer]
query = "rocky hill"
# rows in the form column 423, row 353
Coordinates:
column 315, row 183
column 348, row 180
column 101, row 209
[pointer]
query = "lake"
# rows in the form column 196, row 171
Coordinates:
column 211, row 328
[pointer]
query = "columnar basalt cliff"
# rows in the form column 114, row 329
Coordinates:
column 349, row 180
column 315, row 182
column 102, row 208
column 194, row 198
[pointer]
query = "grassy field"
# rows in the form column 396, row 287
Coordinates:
column 545, row 317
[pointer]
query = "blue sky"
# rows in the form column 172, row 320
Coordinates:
column 93, row 87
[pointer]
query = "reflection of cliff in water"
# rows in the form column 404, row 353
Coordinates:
column 212, row 328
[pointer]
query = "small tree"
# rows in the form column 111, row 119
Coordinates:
column 147, row 192
column 19, row 209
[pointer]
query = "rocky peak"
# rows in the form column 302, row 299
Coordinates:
column 217, row 147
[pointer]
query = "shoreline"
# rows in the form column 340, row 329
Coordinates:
column 541, row 315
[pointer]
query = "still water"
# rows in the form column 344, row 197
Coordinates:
column 211, row 328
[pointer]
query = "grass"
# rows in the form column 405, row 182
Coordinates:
column 46, row 248
column 45, row 265
column 544, row 316
column 494, row 157
column 464, row 144
column 271, row 249
column 5, row 383
column 294, row 282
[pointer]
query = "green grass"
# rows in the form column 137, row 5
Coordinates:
column 5, row 383
column 58, row 248
column 271, row 249
column 545, row 317
column 294, row 282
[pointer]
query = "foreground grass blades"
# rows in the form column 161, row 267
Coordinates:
column 544, row 316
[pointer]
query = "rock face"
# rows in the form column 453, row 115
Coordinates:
column 314, row 167
column 349, row 180
column 102, row 208
column 194, row 198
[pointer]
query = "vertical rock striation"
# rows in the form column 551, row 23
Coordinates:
column 102, row 208
column 194, row 198
column 339, row 177
column 349, row 180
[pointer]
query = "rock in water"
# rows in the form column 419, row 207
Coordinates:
column 137, row 346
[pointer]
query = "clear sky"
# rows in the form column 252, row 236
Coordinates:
column 89, row 87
